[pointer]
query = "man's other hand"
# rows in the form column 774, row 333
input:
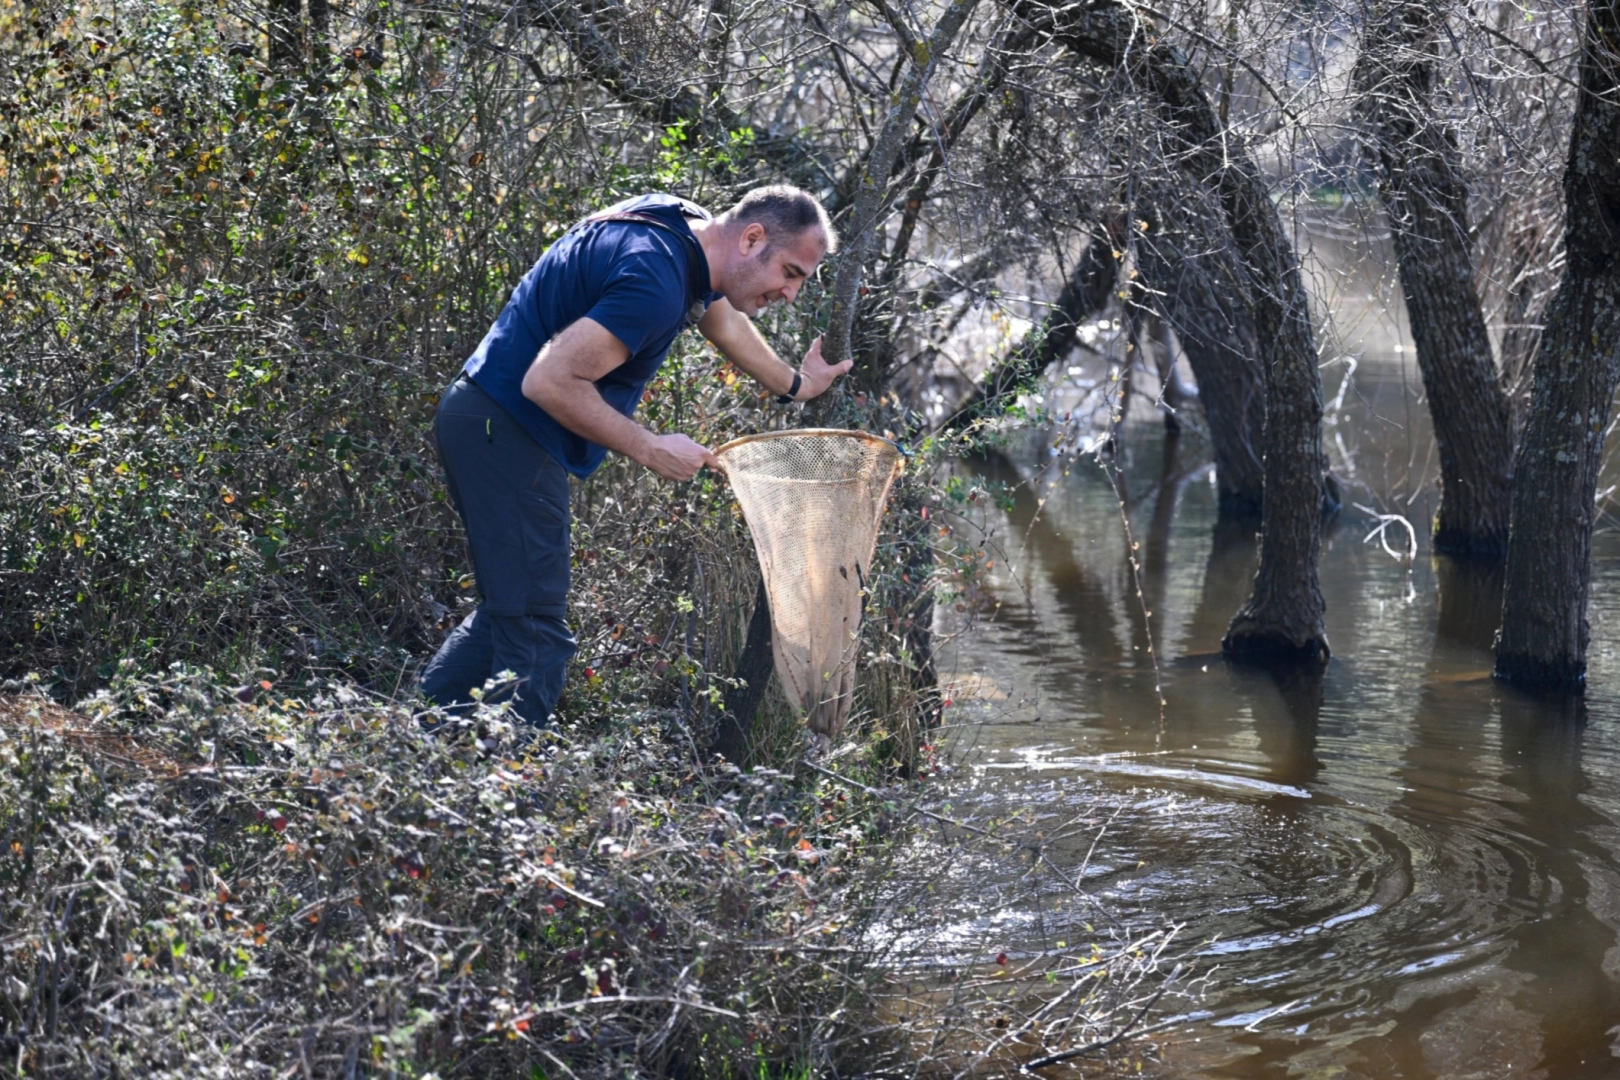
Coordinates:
column 816, row 374
column 674, row 457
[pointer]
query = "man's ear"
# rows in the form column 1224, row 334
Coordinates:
column 751, row 239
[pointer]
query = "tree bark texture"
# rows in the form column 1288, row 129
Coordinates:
column 1549, row 562
column 873, row 187
column 1282, row 620
column 1426, row 198
column 1196, row 287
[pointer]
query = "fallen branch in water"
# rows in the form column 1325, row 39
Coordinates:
column 1384, row 522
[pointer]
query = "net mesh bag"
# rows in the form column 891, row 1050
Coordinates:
column 813, row 500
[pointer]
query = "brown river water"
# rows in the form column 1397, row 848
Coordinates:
column 1403, row 869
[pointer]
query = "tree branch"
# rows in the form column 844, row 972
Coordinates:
column 874, row 180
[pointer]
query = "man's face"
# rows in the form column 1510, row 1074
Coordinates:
column 765, row 272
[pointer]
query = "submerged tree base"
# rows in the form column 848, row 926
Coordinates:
column 1469, row 545
column 1272, row 649
column 1533, row 673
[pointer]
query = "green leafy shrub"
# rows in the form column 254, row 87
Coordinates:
column 233, row 296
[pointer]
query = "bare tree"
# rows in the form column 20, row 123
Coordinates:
column 1423, row 191
column 1577, row 365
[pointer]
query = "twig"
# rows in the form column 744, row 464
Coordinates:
column 912, row 806
column 1384, row 522
column 1067, row 1055
column 575, row 1006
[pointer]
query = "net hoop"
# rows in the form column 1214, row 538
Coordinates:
column 859, row 436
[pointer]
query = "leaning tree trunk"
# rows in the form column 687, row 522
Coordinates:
column 874, row 183
column 1423, row 191
column 1088, row 290
column 1200, row 298
column 1282, row 620
column 1549, row 561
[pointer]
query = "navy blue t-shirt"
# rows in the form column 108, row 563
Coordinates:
column 637, row 280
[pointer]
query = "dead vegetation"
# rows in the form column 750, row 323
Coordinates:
column 305, row 885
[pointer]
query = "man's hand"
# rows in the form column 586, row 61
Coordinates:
column 562, row 381
column 674, row 457
column 816, row 374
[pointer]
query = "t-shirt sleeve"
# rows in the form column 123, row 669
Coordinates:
column 642, row 298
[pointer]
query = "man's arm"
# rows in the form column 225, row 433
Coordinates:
column 734, row 334
column 562, row 381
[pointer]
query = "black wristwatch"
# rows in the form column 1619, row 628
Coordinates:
column 793, row 391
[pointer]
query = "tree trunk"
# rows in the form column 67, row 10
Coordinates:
column 1426, row 198
column 1200, row 298
column 734, row 728
column 1549, row 561
column 1282, row 620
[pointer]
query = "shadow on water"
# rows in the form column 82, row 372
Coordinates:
column 1395, row 868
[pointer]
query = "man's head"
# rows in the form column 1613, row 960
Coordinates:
column 772, row 240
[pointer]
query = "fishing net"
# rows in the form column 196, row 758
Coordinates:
column 813, row 500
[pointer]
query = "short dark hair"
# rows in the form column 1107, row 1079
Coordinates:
column 785, row 212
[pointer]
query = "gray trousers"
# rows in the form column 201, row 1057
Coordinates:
column 513, row 499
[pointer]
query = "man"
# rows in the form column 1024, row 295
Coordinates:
column 555, row 384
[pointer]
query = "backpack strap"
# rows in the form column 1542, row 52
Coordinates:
column 632, row 216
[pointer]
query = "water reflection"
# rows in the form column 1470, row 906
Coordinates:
column 1568, row 953
column 1396, row 868
column 1286, row 707
column 1228, row 573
